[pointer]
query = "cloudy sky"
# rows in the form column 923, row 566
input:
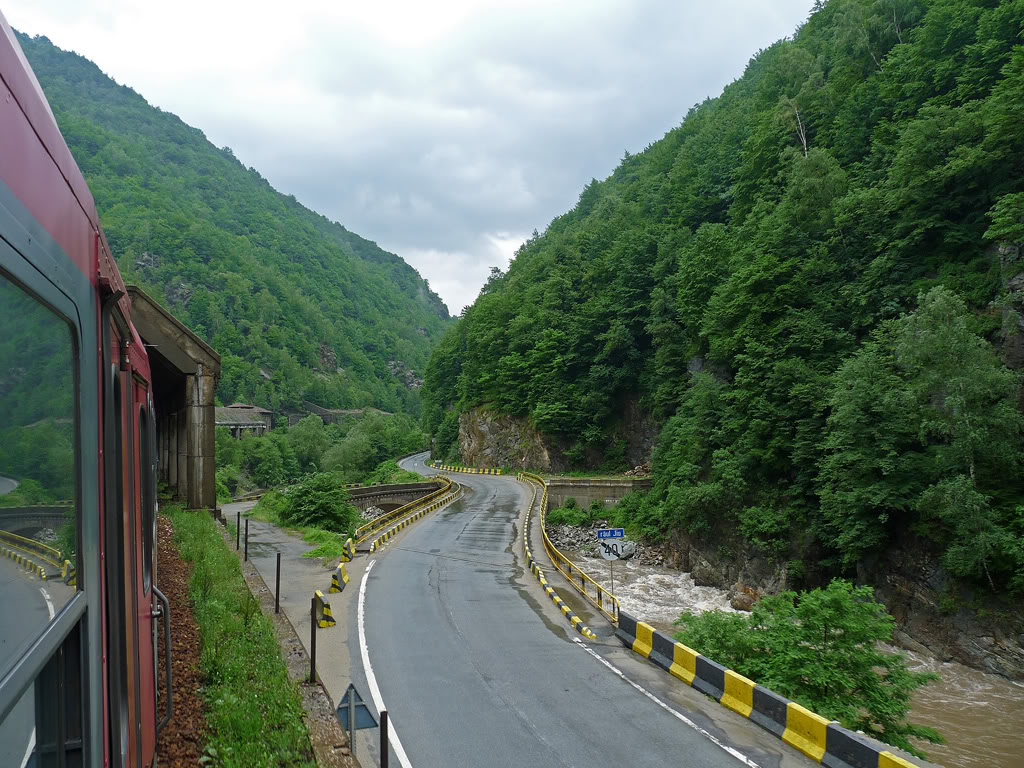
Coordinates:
column 446, row 131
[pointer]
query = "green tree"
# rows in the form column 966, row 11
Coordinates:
column 821, row 649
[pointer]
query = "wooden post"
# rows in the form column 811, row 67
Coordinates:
column 238, row 528
column 247, row 539
column 277, row 588
column 312, row 640
column 383, row 739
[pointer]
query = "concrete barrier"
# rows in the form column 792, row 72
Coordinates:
column 339, row 579
column 823, row 741
column 535, row 569
column 325, row 618
column 24, row 562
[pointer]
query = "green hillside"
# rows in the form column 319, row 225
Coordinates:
column 269, row 283
column 813, row 284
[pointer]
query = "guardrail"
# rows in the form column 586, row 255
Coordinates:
column 822, row 740
column 465, row 470
column 595, row 593
column 364, row 532
column 538, row 573
column 381, row 540
column 33, row 547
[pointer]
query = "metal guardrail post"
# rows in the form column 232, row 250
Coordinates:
column 238, row 528
column 383, row 739
column 312, row 640
column 247, row 539
column 277, row 586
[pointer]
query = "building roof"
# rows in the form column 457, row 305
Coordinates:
column 250, row 407
column 239, row 417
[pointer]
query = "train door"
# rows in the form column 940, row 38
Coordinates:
column 120, row 561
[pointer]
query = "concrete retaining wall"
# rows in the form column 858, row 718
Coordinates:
column 588, row 490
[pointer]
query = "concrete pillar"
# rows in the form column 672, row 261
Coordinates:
column 161, row 433
column 172, row 452
column 200, row 421
column 183, row 473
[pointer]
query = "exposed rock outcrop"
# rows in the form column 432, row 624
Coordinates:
column 487, row 439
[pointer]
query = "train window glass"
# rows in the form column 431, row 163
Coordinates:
column 38, row 519
column 147, row 496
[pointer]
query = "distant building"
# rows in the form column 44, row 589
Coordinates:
column 241, row 418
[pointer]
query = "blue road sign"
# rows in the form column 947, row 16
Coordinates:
column 611, row 533
column 364, row 718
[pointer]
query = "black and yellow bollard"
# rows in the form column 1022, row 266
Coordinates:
column 326, row 618
column 339, row 579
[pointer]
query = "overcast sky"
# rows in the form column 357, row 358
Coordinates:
column 446, row 131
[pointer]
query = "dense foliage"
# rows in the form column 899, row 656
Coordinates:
column 821, row 649
column 298, row 306
column 354, row 451
column 806, row 283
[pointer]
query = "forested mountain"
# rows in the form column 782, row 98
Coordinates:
column 812, row 284
column 298, row 306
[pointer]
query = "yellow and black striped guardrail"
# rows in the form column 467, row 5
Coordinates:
column 466, row 470
column 381, row 540
column 535, row 569
column 821, row 740
column 325, row 618
column 595, row 593
column 24, row 562
column 33, row 548
column 367, row 531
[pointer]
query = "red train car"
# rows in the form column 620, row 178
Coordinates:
column 80, row 612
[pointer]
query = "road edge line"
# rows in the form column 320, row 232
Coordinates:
column 371, row 679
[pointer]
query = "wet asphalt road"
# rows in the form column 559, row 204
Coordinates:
column 23, row 615
column 475, row 670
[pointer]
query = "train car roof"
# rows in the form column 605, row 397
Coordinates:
column 22, row 85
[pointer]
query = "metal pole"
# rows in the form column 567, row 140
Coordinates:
column 312, row 640
column 611, row 567
column 238, row 528
column 384, row 738
column 247, row 539
column 277, row 589
column 352, row 722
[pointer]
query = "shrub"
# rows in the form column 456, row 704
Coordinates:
column 821, row 649
column 318, row 500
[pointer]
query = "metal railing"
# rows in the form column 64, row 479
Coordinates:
column 595, row 592
column 33, row 547
column 376, row 525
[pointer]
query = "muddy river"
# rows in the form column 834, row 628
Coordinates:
column 981, row 715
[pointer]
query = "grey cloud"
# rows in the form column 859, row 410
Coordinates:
column 433, row 150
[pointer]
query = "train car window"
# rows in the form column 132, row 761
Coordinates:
column 39, row 526
column 147, row 495
column 58, row 700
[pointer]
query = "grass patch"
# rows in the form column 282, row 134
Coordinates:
column 327, row 545
column 254, row 712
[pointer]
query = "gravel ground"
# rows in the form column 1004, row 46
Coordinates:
column 181, row 742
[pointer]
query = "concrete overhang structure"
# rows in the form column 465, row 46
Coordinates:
column 185, row 372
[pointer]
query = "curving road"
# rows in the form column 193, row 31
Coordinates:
column 7, row 484
column 25, row 608
column 476, row 667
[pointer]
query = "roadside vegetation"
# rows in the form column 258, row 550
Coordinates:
column 253, row 710
column 354, row 451
column 821, row 649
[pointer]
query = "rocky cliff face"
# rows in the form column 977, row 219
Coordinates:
column 487, row 439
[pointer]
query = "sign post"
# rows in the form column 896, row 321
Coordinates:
column 609, row 550
column 353, row 714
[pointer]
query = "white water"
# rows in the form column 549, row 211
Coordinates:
column 980, row 714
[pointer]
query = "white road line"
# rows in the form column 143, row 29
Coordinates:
column 735, row 753
column 49, row 602
column 28, row 750
column 371, row 679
